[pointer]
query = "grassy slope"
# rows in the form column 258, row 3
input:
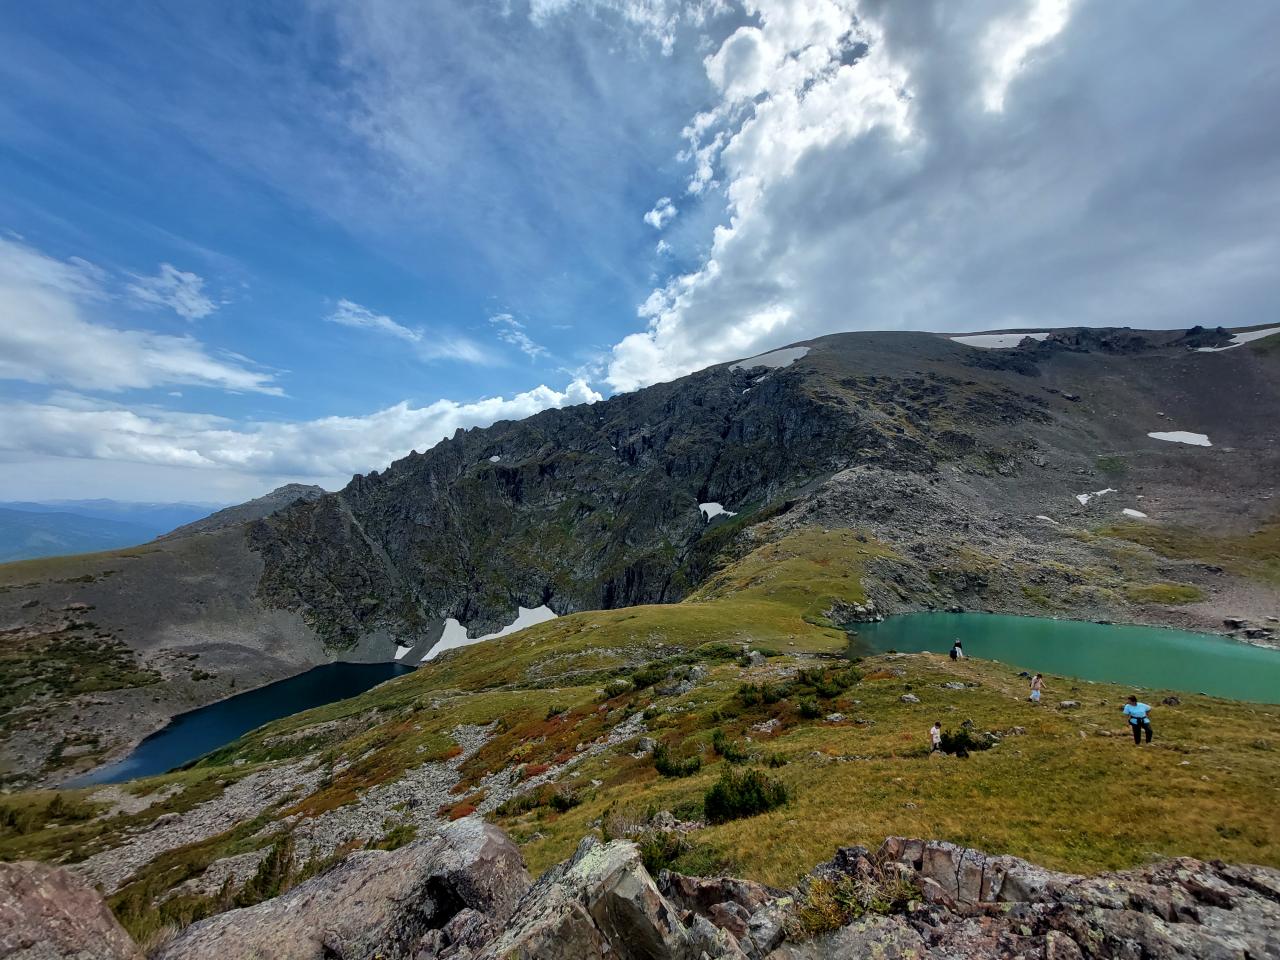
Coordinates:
column 1071, row 801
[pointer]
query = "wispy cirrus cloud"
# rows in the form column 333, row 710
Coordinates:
column 511, row 331
column 427, row 345
column 47, row 337
column 179, row 290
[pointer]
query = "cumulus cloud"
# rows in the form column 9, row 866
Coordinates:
column 663, row 212
column 46, row 338
column 180, row 291
column 966, row 166
column 428, row 346
column 327, row 450
column 511, row 331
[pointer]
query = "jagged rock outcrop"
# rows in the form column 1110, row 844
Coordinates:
column 48, row 913
column 465, row 895
column 462, row 883
column 255, row 509
column 602, row 902
column 972, row 904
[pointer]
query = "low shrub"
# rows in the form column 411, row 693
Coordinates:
column 962, row 743
column 616, row 688
column 809, row 708
column 737, row 795
column 731, row 750
column 670, row 766
column 827, row 904
column 397, row 837
column 565, row 798
column 755, row 694
column 648, row 675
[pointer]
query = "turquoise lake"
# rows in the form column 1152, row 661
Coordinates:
column 1148, row 658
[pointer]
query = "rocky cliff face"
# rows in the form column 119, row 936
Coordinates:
column 598, row 506
column 464, row 895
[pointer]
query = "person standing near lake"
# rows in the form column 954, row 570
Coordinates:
column 1139, row 719
column 957, row 651
column 935, row 736
column 1037, row 685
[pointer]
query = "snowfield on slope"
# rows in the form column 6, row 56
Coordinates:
column 712, row 510
column 455, row 634
column 778, row 358
column 1240, row 339
column 997, row 341
column 1181, row 436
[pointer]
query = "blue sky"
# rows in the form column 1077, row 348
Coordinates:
column 246, row 244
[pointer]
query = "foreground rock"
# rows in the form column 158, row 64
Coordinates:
column 465, row 895
column 376, row 903
column 47, row 913
column 974, row 905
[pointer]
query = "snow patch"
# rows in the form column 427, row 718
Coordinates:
column 1084, row 498
column 997, row 341
column 1240, row 339
column 1181, row 436
column 1136, row 514
column 712, row 510
column 495, row 458
column 1041, row 516
column 455, row 634
column 401, row 651
column 778, row 358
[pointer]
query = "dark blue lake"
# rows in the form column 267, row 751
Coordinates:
column 191, row 735
column 1152, row 658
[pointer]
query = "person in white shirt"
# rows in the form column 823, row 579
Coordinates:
column 1037, row 684
column 935, row 736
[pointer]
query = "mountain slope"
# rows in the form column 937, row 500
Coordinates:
column 254, row 509
column 25, row 535
column 980, row 471
column 156, row 518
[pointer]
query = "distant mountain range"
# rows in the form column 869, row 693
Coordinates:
column 53, row 528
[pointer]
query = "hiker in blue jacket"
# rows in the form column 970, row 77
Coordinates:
column 1139, row 715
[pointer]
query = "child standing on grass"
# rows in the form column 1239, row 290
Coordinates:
column 935, row 736
column 957, row 651
column 1139, row 719
column 1037, row 684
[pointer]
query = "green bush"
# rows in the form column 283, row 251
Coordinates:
column 731, row 750
column 825, row 683
column 745, row 794
column 397, row 837
column 809, row 708
column 565, row 798
column 755, row 694
column 616, row 688
column 660, row 848
column 962, row 743
column 670, row 766
column 647, row 676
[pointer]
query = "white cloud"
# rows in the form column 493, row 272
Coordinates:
column 180, row 291
column 511, row 331
column 45, row 337
column 1011, row 40
column 663, row 212
column 328, row 450
column 350, row 314
column 947, row 166
column 427, row 345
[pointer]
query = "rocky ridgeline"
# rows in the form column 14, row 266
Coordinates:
column 465, row 894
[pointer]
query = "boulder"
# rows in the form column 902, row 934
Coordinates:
column 884, row 938
column 602, row 902
column 1068, row 704
column 909, row 698
column 376, row 903
column 48, row 913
